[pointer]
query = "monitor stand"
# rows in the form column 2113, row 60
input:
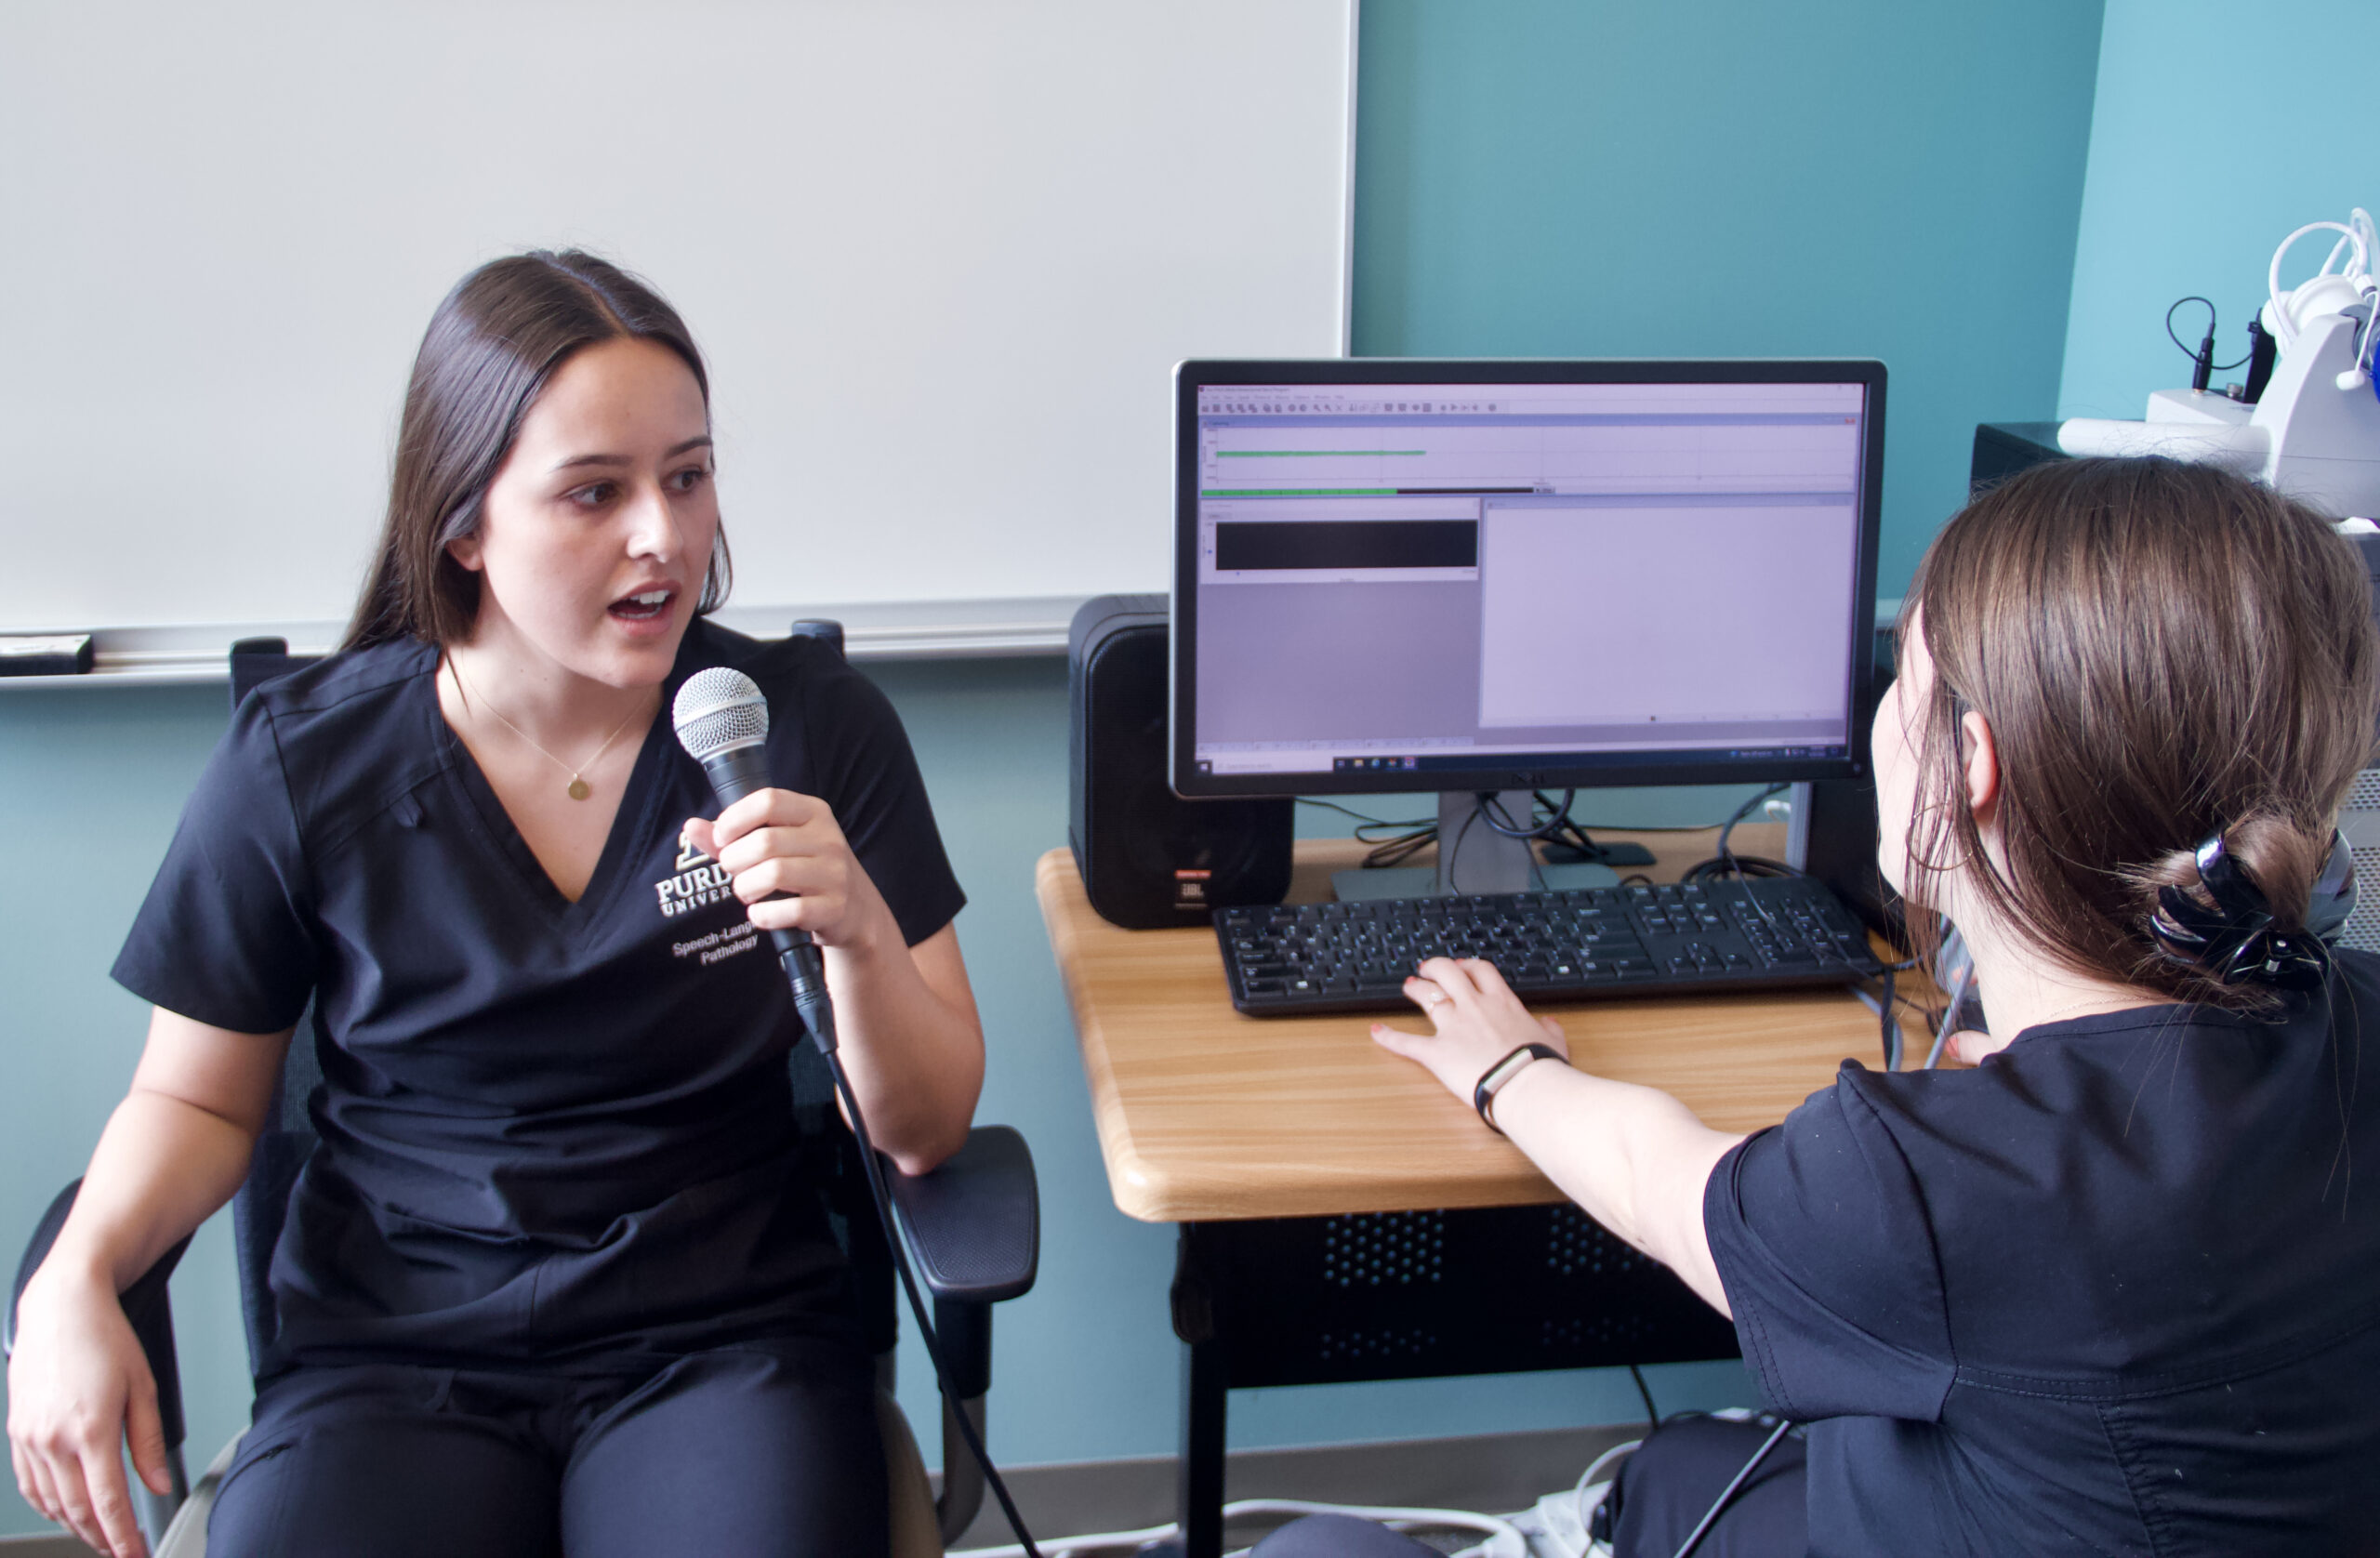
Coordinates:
column 1473, row 858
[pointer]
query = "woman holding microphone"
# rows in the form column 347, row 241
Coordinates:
column 555, row 1278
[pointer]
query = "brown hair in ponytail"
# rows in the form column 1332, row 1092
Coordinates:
column 2162, row 651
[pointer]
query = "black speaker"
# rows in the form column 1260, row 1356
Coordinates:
column 1840, row 847
column 1150, row 859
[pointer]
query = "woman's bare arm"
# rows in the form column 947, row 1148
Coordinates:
column 1635, row 1159
column 176, row 1148
column 173, row 1152
column 912, row 1043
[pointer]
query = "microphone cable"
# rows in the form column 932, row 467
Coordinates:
column 1727, row 1494
column 882, row 1197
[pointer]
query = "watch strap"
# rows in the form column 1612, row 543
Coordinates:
column 1492, row 1080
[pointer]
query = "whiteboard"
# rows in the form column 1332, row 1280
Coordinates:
column 940, row 255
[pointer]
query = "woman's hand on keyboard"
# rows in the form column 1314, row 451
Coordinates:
column 1478, row 1018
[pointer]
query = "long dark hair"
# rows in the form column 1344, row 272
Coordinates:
column 2162, row 651
column 489, row 350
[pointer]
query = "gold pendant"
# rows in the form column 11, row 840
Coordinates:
column 578, row 790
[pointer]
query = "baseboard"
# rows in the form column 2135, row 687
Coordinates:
column 1496, row 1472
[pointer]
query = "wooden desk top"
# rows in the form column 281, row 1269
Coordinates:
column 1206, row 1115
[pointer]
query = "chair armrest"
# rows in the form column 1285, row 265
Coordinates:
column 36, row 1250
column 974, row 1225
column 145, row 1305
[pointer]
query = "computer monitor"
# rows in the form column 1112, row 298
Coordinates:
column 1506, row 577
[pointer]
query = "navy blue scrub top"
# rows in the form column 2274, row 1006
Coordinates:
column 2116, row 1290
column 551, row 1131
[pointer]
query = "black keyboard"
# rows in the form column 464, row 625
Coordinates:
column 1758, row 934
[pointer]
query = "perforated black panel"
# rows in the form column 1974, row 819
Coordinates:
column 1374, row 1248
column 1373, row 1347
column 1400, row 1295
column 1576, row 1244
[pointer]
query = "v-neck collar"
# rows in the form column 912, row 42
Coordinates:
column 631, row 828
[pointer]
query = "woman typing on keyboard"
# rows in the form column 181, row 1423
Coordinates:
column 2113, row 1289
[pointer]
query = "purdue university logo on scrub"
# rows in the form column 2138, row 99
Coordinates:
column 700, row 881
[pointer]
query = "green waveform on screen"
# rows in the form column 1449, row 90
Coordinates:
column 1297, row 492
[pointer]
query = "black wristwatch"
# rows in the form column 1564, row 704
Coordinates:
column 1492, row 1080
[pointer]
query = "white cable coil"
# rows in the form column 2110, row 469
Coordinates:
column 2328, row 291
column 1504, row 1540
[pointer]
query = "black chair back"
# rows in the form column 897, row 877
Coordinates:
column 261, row 1204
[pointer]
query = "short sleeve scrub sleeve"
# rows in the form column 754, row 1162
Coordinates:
column 551, row 1131
column 1821, row 1242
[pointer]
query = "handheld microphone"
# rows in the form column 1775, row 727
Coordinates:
column 722, row 721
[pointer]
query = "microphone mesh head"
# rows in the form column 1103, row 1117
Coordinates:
column 718, row 710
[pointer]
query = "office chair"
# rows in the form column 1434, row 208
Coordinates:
column 972, row 1227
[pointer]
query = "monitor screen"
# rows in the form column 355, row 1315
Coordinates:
column 1434, row 576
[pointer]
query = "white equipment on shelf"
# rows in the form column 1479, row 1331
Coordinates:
column 2315, row 433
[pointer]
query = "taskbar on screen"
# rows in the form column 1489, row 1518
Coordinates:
column 1471, row 760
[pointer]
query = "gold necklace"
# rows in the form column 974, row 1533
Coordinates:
column 579, row 790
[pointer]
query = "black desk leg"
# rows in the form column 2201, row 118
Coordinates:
column 1205, row 1391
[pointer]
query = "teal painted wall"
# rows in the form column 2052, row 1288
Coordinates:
column 1533, row 179
column 1733, row 178
column 2219, row 131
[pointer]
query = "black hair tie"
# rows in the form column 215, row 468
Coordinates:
column 2236, row 941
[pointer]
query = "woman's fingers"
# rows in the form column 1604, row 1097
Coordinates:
column 31, row 1482
column 1429, row 995
column 803, row 876
column 1457, row 977
column 792, row 859
column 73, row 1503
column 1432, row 1055
column 1491, row 983
column 111, row 1500
column 144, row 1434
column 1971, row 1044
column 767, row 808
